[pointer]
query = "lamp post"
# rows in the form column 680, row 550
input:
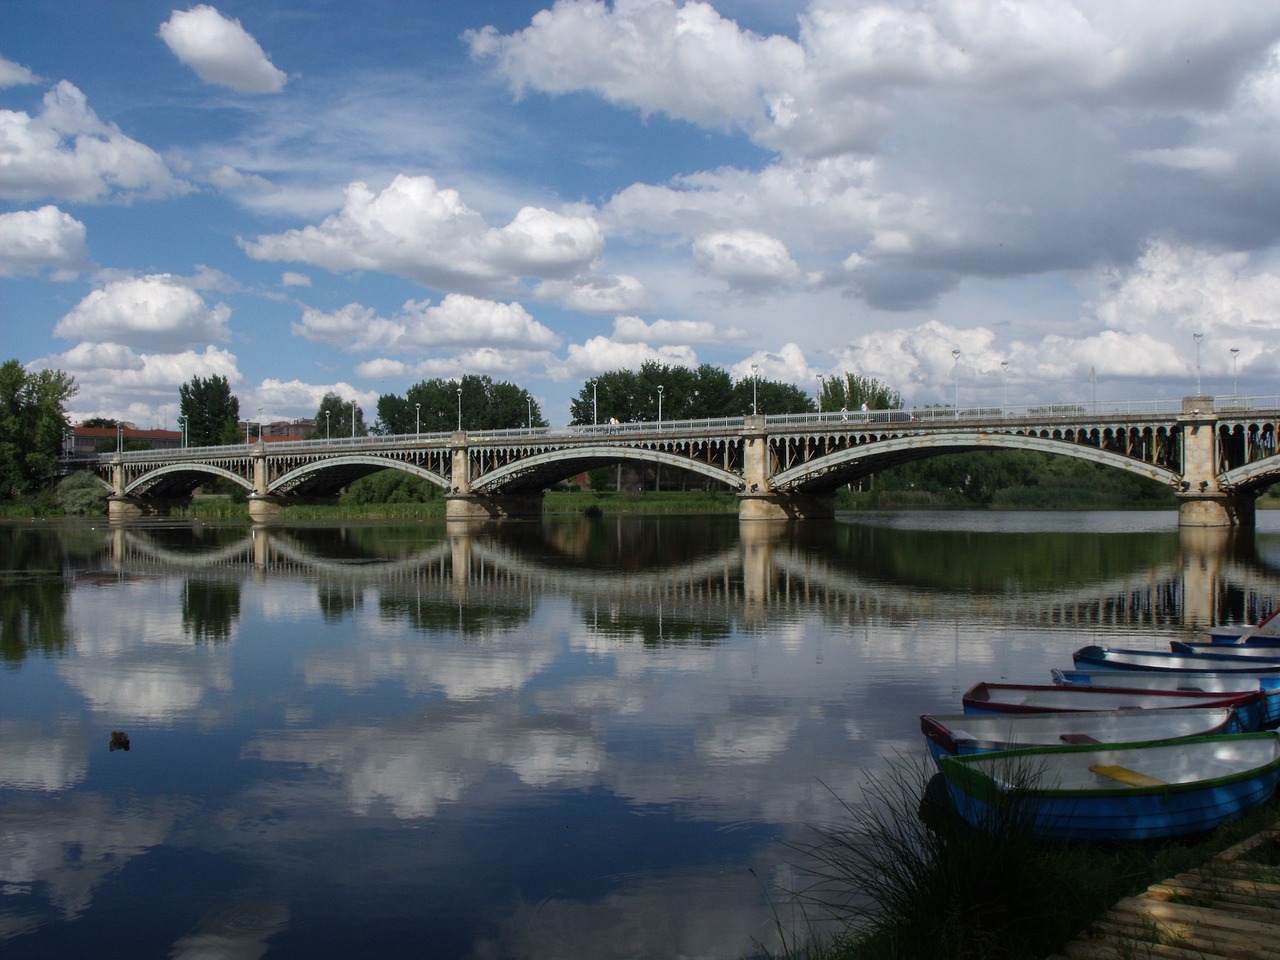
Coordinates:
column 326, row 425
column 595, row 418
column 1004, row 385
column 955, row 358
column 822, row 384
column 259, row 424
column 754, row 380
column 417, row 421
column 119, row 437
column 1093, row 385
column 528, row 400
column 353, row 419
column 459, row 409
column 659, row 406
column 1197, row 337
column 1235, row 385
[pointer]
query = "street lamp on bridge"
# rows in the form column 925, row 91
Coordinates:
column 822, row 385
column 659, row 406
column 529, row 403
column 459, row 409
column 1235, row 355
column 1197, row 337
column 417, row 421
column 326, row 425
column 595, row 418
column 955, row 358
column 1004, row 385
column 353, row 419
column 754, row 380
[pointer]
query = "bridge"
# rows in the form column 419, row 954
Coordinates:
column 1217, row 454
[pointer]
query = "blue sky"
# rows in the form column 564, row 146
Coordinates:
column 313, row 196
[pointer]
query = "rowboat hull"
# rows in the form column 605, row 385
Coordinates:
column 964, row 734
column 1008, row 698
column 1266, row 683
column 1110, row 658
column 1136, row 791
column 1262, row 648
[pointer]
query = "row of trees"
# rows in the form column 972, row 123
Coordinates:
column 33, row 423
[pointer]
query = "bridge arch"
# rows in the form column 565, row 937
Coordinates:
column 552, row 465
column 298, row 475
column 147, row 481
column 836, row 468
column 1253, row 476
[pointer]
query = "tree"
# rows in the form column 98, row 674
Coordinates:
column 33, row 423
column 210, row 411
column 435, row 406
column 333, row 419
column 854, row 390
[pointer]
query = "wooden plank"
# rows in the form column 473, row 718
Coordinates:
column 1126, row 776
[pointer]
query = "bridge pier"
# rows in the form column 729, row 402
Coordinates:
column 120, row 507
column 1202, row 502
column 264, row 509
column 757, row 499
column 470, row 506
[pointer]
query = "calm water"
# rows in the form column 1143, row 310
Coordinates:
column 567, row 739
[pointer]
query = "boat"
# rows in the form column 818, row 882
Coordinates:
column 1267, row 683
column 1111, row 658
column 962, row 734
column 1132, row 791
column 1268, row 628
column 1262, row 648
column 1056, row 698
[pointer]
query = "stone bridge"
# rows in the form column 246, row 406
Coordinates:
column 1217, row 455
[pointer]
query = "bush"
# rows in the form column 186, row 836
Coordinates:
column 82, row 495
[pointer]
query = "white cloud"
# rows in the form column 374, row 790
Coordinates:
column 220, row 51
column 44, row 239
column 627, row 329
column 15, row 75
column 601, row 353
column 158, row 311
column 416, row 230
column 66, row 152
column 595, row 293
column 745, row 259
column 291, row 279
column 458, row 321
column 295, row 398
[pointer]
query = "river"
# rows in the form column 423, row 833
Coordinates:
column 573, row 738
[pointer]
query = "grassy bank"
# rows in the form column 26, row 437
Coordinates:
column 903, row 879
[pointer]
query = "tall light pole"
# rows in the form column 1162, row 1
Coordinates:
column 754, row 380
column 1004, row 385
column 1093, row 384
column 528, row 400
column 119, row 437
column 353, row 419
column 1235, row 386
column 417, row 421
column 659, row 406
column 955, row 358
column 1197, row 337
column 459, row 409
column 822, row 383
column 326, row 425
column 259, row 424
column 595, row 417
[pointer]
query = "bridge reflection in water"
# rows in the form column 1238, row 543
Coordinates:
column 1216, row 454
column 1190, row 579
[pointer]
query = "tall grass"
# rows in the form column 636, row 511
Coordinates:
column 902, row 877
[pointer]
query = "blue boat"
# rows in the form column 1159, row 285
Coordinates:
column 962, row 734
column 1111, row 658
column 1132, row 791
column 1268, row 684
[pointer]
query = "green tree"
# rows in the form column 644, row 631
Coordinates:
column 82, row 494
column 211, row 412
column 436, row 406
column 333, row 419
column 854, row 390
column 33, row 422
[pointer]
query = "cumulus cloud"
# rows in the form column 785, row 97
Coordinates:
column 46, row 239
column 628, row 329
column 595, row 293
column 457, row 321
column 220, row 51
column 291, row 279
column 416, row 230
column 15, row 75
column 153, row 312
column 67, row 152
column 745, row 259
column 599, row 354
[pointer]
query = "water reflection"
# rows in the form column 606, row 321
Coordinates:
column 516, row 740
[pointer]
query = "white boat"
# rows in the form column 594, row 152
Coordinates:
column 961, row 734
column 1267, row 683
column 1133, row 791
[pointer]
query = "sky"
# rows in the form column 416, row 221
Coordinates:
column 314, row 196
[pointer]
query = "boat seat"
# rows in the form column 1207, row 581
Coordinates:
column 1130, row 777
column 1077, row 738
